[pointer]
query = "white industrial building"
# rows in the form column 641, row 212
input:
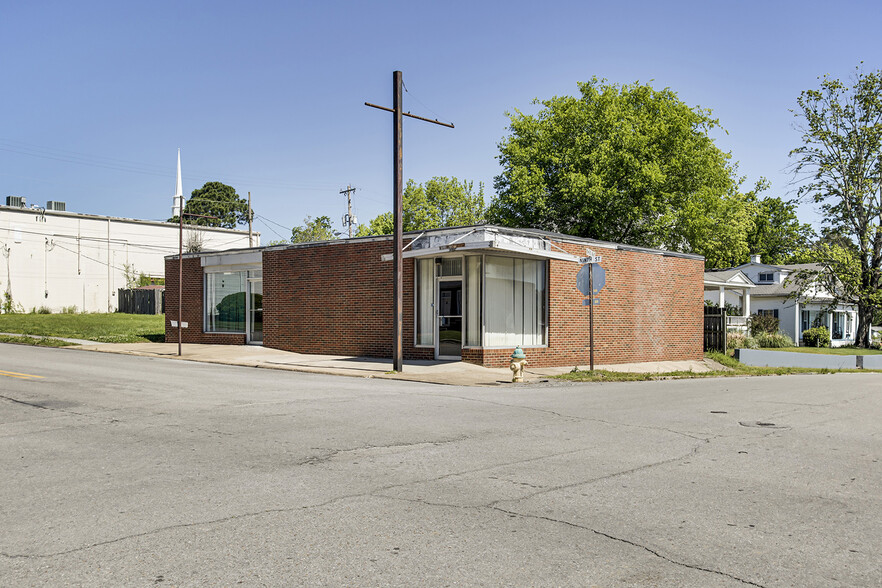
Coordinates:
column 59, row 260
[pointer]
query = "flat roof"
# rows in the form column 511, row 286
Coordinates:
column 560, row 237
column 80, row 215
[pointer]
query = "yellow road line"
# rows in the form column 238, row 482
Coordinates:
column 18, row 375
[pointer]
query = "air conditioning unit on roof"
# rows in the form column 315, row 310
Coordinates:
column 15, row 201
column 56, row 205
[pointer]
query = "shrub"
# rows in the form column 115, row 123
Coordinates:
column 774, row 340
column 763, row 323
column 44, row 310
column 69, row 309
column 740, row 341
column 817, row 337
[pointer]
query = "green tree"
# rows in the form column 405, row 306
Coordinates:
column 318, row 229
column 775, row 233
column 839, row 165
column 217, row 200
column 622, row 163
column 440, row 202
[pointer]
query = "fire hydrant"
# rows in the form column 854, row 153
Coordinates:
column 518, row 361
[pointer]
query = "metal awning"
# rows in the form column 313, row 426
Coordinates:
column 488, row 246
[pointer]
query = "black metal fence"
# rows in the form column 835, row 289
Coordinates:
column 714, row 329
column 138, row 301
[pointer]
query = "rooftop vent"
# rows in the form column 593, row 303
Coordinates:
column 15, row 201
column 55, row 205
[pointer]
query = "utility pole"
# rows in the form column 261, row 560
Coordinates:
column 397, row 209
column 349, row 220
column 249, row 220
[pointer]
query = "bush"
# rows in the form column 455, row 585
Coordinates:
column 763, row 323
column 69, row 309
column 817, row 337
column 740, row 341
column 774, row 340
column 44, row 310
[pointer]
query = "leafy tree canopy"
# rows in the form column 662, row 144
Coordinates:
column 217, row 200
column 318, row 229
column 839, row 165
column 775, row 232
column 441, row 202
column 622, row 163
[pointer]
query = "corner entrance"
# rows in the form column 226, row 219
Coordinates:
column 448, row 339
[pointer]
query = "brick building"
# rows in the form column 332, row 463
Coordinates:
column 469, row 292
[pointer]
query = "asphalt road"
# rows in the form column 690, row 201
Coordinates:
column 130, row 471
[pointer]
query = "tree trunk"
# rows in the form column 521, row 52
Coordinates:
column 865, row 319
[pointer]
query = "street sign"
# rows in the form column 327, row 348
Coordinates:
column 590, row 280
column 582, row 279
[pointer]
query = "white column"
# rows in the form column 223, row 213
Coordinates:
column 830, row 326
column 746, row 309
column 723, row 297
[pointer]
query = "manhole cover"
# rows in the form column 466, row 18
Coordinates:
column 762, row 425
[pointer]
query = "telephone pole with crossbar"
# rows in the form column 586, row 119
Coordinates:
column 397, row 208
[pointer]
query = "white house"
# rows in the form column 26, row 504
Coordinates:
column 57, row 259
column 772, row 294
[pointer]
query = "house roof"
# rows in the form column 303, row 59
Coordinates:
column 729, row 277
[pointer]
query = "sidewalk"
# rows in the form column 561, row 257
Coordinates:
column 456, row 373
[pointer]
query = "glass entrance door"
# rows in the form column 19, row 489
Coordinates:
column 449, row 340
column 255, row 310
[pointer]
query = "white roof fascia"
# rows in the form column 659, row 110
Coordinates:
column 729, row 284
column 493, row 246
column 243, row 258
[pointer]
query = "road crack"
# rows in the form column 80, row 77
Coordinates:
column 646, row 548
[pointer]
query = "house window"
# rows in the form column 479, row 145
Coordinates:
column 838, row 324
column 769, row 277
column 806, row 320
column 773, row 313
column 225, row 302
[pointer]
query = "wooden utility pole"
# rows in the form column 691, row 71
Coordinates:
column 348, row 219
column 250, row 244
column 397, row 209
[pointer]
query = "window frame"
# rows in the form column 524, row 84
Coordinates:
column 546, row 310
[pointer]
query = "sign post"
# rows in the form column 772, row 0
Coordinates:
column 591, row 315
column 589, row 285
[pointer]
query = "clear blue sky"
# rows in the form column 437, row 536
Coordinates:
column 268, row 96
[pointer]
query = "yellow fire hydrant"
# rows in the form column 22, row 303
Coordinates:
column 518, row 361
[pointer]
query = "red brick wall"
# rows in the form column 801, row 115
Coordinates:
column 650, row 310
column 337, row 299
column 192, row 308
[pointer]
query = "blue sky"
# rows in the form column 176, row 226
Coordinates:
column 268, row 96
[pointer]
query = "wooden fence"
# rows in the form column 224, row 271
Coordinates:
column 714, row 329
column 141, row 301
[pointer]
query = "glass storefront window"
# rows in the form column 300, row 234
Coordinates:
column 225, row 302
column 505, row 299
column 425, row 297
column 473, row 301
column 515, row 301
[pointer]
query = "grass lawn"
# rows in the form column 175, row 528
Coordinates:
column 736, row 368
column 107, row 328
column 39, row 341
